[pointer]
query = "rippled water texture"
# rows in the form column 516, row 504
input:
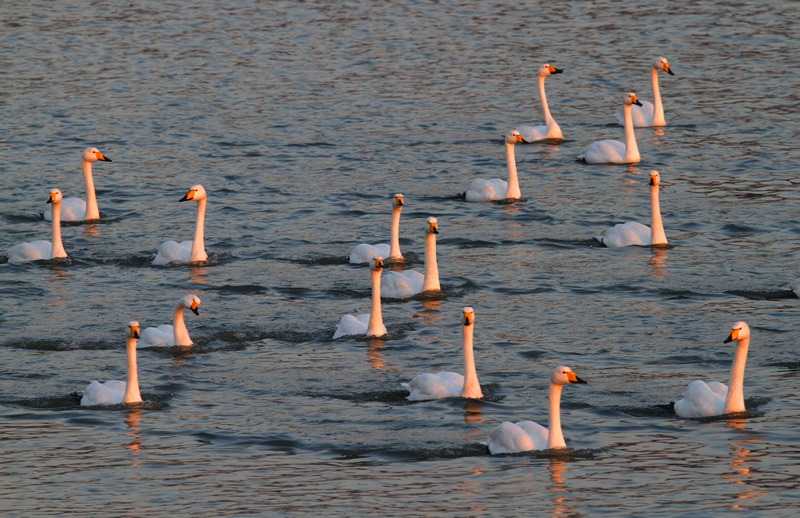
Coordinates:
column 301, row 119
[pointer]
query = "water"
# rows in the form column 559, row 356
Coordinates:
column 301, row 120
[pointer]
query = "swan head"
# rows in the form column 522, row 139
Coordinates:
column 196, row 192
column 192, row 302
column 514, row 137
column 133, row 329
column 630, row 98
column 655, row 178
column 548, row 70
column 397, row 201
column 739, row 331
column 468, row 316
column 55, row 196
column 564, row 376
column 92, row 154
column 433, row 225
column 661, row 63
column 376, row 263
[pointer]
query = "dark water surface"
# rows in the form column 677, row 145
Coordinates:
column 301, row 119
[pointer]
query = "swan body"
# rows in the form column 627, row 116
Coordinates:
column 187, row 251
column 76, row 209
column 370, row 324
column 650, row 114
column 550, row 129
column 115, row 392
column 401, row 285
column 633, row 233
column 614, row 151
column 364, row 252
column 172, row 335
column 450, row 384
column 795, row 286
column 43, row 250
column 701, row 399
column 495, row 188
column 527, row 435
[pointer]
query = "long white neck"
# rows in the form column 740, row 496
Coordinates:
column 375, row 326
column 555, row 438
column 658, row 109
column 735, row 400
column 132, row 394
column 472, row 388
column 631, row 149
column 58, row 247
column 92, row 212
column 553, row 129
column 394, row 250
column 431, row 266
column 179, row 331
column 198, row 245
column 657, row 235
column 512, row 192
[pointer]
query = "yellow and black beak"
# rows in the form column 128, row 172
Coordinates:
column 378, row 264
column 554, row 70
column 135, row 332
column 573, row 378
column 668, row 70
column 195, row 307
column 189, row 196
column 51, row 198
column 733, row 336
column 102, row 157
column 469, row 319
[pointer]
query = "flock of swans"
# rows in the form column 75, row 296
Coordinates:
column 700, row 399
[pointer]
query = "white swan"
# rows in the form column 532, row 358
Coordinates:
column 633, row 233
column 401, row 285
column 172, row 335
column 528, row 435
column 614, row 151
column 75, row 209
column 370, row 324
column 795, row 286
column 550, row 130
column 497, row 189
column 649, row 115
column 364, row 252
column 187, row 251
column 450, row 384
column 115, row 392
column 708, row 399
column 38, row 250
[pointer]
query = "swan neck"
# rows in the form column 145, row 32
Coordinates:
column 631, row 149
column 198, row 245
column 431, row 266
column 512, row 192
column 132, row 394
column 555, row 438
column 179, row 331
column 92, row 212
column 58, row 246
column 657, row 234
column 543, row 96
column 394, row 250
column 472, row 388
column 735, row 400
column 375, row 326
column 658, row 108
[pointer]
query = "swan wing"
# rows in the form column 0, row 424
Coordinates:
column 702, row 400
column 172, row 251
column 401, row 285
column 605, row 152
column 625, row 234
column 642, row 117
column 33, row 251
column 516, row 437
column 364, row 252
column 108, row 393
column 481, row 189
column 161, row 336
column 72, row 209
column 435, row 386
column 532, row 133
column 351, row 325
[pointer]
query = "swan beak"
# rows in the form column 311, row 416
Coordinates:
column 731, row 337
column 378, row 264
column 468, row 318
column 520, row 139
column 669, row 71
column 434, row 230
column 637, row 103
column 195, row 309
column 50, row 199
column 189, row 196
column 554, row 70
column 135, row 333
column 102, row 157
column 573, row 378
column 652, row 180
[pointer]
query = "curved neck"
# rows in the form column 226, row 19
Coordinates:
column 555, row 438
column 394, row 250
column 543, row 96
column 657, row 235
column 735, row 400
column 512, row 192
column 631, row 149
column 179, row 331
column 431, row 266
column 658, row 109
column 58, row 247
column 472, row 389
column 375, row 326
column 92, row 212
column 198, row 245
column 132, row 394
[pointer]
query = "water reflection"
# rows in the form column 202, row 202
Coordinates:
column 473, row 411
column 659, row 262
column 375, row 348
column 132, row 420
column 92, row 229
column 741, row 462
column 559, row 488
column 198, row 274
column 431, row 312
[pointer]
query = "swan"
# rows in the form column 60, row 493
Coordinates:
column 370, row 324
column 401, row 285
column 75, row 209
column 526, row 435
column 650, row 115
column 703, row 399
column 38, row 250
column 633, row 233
column 550, row 130
column 364, row 252
column 795, row 286
column 614, row 151
column 497, row 189
column 187, row 251
column 172, row 335
column 115, row 392
column 450, row 384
